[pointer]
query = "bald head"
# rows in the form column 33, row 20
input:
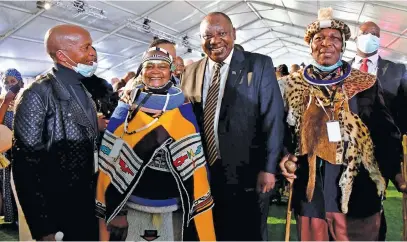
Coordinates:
column 63, row 37
column 369, row 27
column 70, row 45
column 179, row 66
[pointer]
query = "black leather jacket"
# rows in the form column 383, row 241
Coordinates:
column 53, row 161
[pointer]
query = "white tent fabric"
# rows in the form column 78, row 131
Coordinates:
column 271, row 27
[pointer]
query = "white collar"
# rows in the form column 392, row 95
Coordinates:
column 225, row 62
column 374, row 59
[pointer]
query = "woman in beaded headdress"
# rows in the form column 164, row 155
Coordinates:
column 153, row 180
column 345, row 141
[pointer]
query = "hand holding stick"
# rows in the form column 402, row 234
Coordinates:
column 291, row 167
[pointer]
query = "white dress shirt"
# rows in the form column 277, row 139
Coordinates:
column 224, row 70
column 371, row 63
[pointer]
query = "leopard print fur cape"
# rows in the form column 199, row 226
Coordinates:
column 309, row 119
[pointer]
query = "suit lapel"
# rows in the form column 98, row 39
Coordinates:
column 193, row 84
column 381, row 68
column 351, row 62
column 236, row 68
column 236, row 71
column 200, row 76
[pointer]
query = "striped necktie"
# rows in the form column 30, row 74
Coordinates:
column 209, row 114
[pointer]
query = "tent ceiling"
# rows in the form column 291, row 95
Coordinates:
column 270, row 27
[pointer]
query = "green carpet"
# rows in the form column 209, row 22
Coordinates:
column 393, row 212
column 8, row 234
column 392, row 207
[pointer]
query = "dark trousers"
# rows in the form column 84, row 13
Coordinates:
column 239, row 214
column 264, row 204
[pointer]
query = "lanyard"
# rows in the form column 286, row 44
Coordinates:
column 331, row 103
column 323, row 108
column 126, row 122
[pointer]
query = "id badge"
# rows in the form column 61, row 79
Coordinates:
column 117, row 146
column 334, row 131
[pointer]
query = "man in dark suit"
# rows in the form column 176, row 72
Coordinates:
column 239, row 106
column 391, row 76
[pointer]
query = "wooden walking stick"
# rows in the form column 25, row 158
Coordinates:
column 291, row 167
column 404, row 175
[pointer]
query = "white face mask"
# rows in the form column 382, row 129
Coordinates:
column 84, row 70
column 368, row 43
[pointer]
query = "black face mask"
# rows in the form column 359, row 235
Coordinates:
column 159, row 90
column 15, row 88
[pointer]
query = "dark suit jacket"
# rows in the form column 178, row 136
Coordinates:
column 250, row 128
column 393, row 80
column 370, row 107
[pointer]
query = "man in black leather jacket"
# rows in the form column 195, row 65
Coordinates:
column 55, row 136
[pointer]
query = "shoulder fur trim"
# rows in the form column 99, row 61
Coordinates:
column 358, row 82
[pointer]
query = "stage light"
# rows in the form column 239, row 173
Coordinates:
column 47, row 6
column 185, row 41
column 146, row 25
column 43, row 5
column 79, row 7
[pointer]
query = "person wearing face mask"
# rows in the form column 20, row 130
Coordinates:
column 55, row 142
column 367, row 43
column 153, row 179
column 392, row 77
column 12, row 82
column 344, row 143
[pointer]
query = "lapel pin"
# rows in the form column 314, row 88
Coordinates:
column 233, row 72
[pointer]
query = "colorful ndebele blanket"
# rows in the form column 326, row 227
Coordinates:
column 176, row 134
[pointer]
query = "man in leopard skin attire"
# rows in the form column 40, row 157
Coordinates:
column 344, row 143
